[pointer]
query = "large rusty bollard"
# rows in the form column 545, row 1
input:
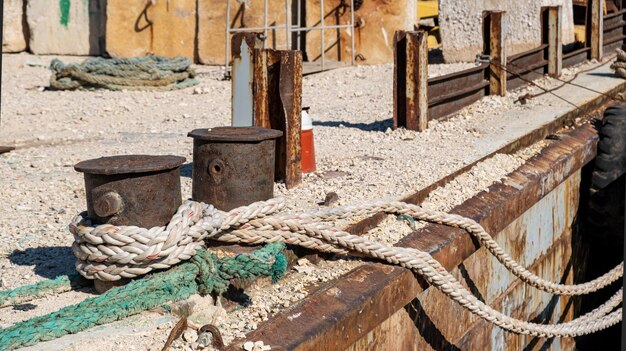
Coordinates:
column 137, row 190
column 233, row 166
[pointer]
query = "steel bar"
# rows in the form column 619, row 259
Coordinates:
column 226, row 45
column 353, row 53
column 277, row 104
column 265, row 27
column 555, row 41
column 305, row 29
column 596, row 39
column 497, row 52
column 287, row 21
column 410, row 80
column 323, row 44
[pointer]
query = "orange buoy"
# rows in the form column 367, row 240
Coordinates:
column 307, row 143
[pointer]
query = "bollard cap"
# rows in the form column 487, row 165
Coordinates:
column 125, row 164
column 235, row 134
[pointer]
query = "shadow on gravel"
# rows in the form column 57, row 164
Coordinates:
column 602, row 74
column 49, row 262
column 185, row 170
column 378, row 126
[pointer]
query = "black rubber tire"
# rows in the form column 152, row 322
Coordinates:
column 604, row 229
column 605, row 216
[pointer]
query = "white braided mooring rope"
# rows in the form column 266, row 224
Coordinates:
column 108, row 252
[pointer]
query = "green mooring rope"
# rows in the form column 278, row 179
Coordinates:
column 205, row 273
column 151, row 73
column 45, row 287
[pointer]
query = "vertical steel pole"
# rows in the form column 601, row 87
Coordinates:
column 322, row 26
column 299, row 24
column 227, row 44
column 497, row 53
column 265, row 24
column 287, row 27
column 555, row 41
column 352, row 29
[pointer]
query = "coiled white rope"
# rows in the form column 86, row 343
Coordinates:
column 109, row 252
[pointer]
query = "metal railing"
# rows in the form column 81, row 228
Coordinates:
column 289, row 29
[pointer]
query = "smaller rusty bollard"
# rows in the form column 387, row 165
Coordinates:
column 137, row 190
column 233, row 166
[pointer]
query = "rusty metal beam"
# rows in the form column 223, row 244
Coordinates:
column 365, row 291
column 596, row 35
column 410, row 83
column 242, row 51
column 277, row 105
column 497, row 52
column 555, row 41
column 5, row 149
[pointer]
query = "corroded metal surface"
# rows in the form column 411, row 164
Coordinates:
column 529, row 65
column 613, row 31
column 410, row 80
column 5, row 149
column 364, row 295
column 451, row 92
column 233, row 166
column 139, row 190
column 277, row 104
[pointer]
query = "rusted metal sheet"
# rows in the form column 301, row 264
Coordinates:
column 575, row 57
column 410, row 82
column 613, row 31
column 365, row 296
column 451, row 92
column 242, row 50
column 138, row 190
column 497, row 52
column 529, row 65
column 233, row 166
column 539, row 239
column 278, row 105
column 5, row 149
column 553, row 29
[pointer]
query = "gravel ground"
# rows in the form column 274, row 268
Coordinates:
column 358, row 155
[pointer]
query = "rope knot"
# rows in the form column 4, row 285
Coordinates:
column 214, row 274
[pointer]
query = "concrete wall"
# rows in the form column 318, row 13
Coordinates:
column 14, row 34
column 378, row 20
column 212, row 25
column 138, row 28
column 460, row 23
column 66, row 27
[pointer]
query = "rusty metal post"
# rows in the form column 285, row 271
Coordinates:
column 137, row 190
column 277, row 104
column 410, row 83
column 596, row 40
column 555, row 40
column 243, row 45
column 233, row 166
column 497, row 52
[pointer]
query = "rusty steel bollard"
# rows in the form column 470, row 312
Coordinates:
column 137, row 190
column 233, row 166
